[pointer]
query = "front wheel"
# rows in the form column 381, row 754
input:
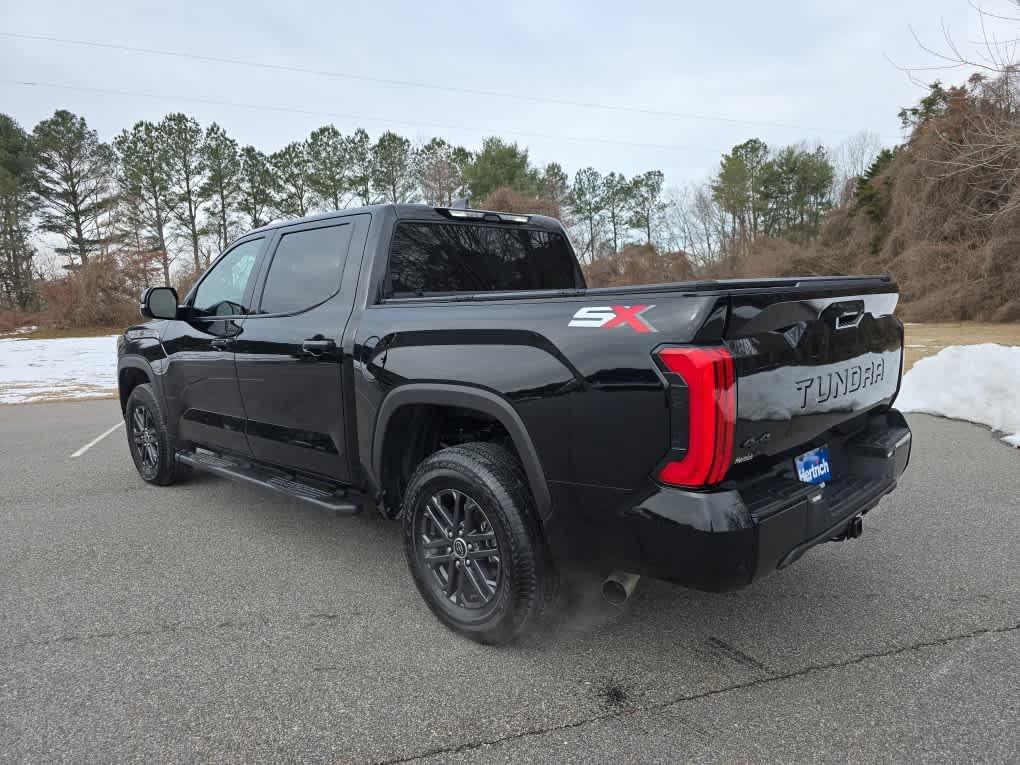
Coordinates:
column 473, row 544
column 148, row 440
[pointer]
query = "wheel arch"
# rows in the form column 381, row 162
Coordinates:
column 132, row 372
column 476, row 399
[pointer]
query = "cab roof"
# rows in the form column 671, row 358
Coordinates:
column 426, row 212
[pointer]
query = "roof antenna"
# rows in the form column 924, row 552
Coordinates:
column 459, row 204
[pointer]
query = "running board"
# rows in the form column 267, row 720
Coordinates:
column 335, row 499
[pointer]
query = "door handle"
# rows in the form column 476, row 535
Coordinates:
column 315, row 346
column 222, row 342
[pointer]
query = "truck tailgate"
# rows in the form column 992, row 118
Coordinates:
column 808, row 363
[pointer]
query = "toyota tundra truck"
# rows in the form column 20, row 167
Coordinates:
column 451, row 368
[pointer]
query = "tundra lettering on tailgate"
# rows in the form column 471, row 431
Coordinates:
column 844, row 382
column 609, row 316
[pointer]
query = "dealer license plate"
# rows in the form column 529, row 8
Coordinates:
column 813, row 466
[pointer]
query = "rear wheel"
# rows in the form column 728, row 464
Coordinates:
column 473, row 544
column 148, row 440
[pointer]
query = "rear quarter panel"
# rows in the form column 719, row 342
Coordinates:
column 590, row 397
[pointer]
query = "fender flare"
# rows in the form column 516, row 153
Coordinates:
column 467, row 397
column 138, row 362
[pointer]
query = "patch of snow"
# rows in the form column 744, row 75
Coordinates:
column 20, row 330
column 46, row 370
column 977, row 383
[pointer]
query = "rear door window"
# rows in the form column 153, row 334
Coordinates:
column 451, row 257
column 306, row 268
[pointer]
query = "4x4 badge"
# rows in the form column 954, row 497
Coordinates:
column 756, row 442
column 609, row 316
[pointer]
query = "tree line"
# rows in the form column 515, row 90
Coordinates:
column 163, row 198
column 166, row 196
column 765, row 192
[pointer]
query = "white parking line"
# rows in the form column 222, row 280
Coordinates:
column 96, row 440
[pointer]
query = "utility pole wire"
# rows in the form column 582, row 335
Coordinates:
column 424, row 85
column 359, row 117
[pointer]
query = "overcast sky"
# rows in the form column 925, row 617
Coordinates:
column 819, row 66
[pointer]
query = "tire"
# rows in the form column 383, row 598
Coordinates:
column 490, row 577
column 150, row 444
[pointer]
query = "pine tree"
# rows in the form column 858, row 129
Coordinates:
column 140, row 258
column 554, row 184
column 393, row 168
column 871, row 196
column 290, row 173
column 738, row 190
column 796, row 190
column 183, row 145
column 145, row 178
column 328, row 167
column 255, row 187
column 617, row 194
column 646, row 205
column 223, row 182
column 500, row 164
column 74, row 180
column 17, row 205
column 359, row 158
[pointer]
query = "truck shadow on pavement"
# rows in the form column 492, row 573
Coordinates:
column 827, row 600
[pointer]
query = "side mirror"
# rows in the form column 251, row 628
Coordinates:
column 159, row 303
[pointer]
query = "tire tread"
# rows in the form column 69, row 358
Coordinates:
column 170, row 470
column 497, row 473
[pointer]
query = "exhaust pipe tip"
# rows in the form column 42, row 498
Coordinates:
column 619, row 586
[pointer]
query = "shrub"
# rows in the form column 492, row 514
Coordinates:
column 505, row 199
column 94, row 296
column 638, row 264
column 11, row 320
column 941, row 214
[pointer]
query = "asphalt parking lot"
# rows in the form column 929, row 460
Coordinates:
column 214, row 621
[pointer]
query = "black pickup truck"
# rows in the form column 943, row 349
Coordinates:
column 450, row 367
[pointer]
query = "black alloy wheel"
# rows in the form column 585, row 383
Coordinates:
column 148, row 440
column 145, row 437
column 474, row 544
column 457, row 544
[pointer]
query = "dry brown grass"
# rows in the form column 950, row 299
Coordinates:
column 13, row 320
column 54, row 333
column 70, row 394
column 773, row 257
column 638, row 264
column 943, row 218
column 97, row 296
column 505, row 199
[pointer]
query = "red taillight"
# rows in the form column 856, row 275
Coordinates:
column 712, row 415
